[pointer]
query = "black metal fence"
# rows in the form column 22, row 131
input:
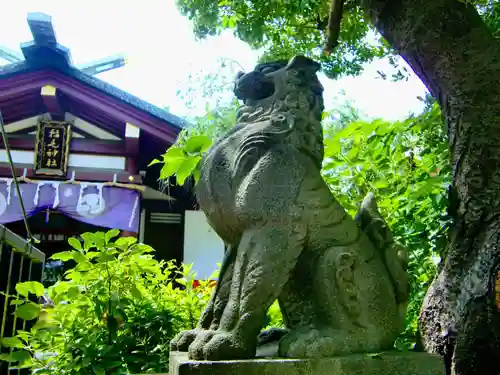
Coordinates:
column 19, row 261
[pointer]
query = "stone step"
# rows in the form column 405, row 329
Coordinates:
column 387, row 363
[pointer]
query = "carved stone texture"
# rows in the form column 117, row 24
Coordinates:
column 341, row 282
column 393, row 363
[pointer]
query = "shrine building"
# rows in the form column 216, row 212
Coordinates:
column 81, row 149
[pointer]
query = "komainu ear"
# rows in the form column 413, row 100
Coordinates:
column 304, row 63
column 239, row 75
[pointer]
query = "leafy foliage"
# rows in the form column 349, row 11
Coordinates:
column 283, row 29
column 274, row 318
column 114, row 313
column 406, row 165
column 490, row 12
column 340, row 117
column 182, row 160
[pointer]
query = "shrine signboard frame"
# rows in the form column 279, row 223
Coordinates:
column 52, row 148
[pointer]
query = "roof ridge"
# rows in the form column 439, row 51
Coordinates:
column 43, row 52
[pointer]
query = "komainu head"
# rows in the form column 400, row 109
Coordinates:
column 280, row 86
column 286, row 92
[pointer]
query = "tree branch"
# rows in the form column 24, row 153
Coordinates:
column 334, row 20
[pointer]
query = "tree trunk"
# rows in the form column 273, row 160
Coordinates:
column 450, row 49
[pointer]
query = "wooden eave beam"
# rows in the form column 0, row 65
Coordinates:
column 77, row 145
column 92, row 176
column 132, row 134
column 112, row 107
column 49, row 96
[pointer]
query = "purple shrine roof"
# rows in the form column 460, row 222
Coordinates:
column 48, row 63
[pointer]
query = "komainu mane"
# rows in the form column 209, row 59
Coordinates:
column 341, row 282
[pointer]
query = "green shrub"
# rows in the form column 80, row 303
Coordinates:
column 274, row 318
column 406, row 165
column 115, row 312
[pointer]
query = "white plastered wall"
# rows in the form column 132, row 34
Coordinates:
column 202, row 246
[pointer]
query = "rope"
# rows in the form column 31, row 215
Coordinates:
column 30, row 238
column 139, row 188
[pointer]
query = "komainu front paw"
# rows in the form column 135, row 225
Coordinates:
column 181, row 342
column 221, row 346
column 195, row 350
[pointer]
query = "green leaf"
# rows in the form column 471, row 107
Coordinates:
column 92, row 254
column 381, row 184
column 141, row 248
column 88, row 240
column 125, row 242
column 23, row 335
column 99, row 308
column 28, row 311
column 111, row 234
column 7, row 358
column 197, row 144
column 173, row 158
column 79, row 257
column 196, row 175
column 75, row 244
column 63, row 255
column 135, row 292
column 73, row 292
column 12, row 342
column 155, row 161
column 99, row 240
column 21, row 356
column 120, row 314
column 353, row 152
column 232, row 22
column 186, row 168
column 333, row 147
column 106, row 257
column 33, row 287
column 59, row 288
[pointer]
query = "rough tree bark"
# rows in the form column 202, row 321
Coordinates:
column 449, row 48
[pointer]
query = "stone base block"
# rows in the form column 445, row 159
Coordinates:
column 388, row 363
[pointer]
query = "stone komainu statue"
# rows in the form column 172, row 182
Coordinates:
column 341, row 282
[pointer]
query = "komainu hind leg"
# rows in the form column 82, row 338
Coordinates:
column 357, row 309
column 266, row 258
column 210, row 317
column 316, row 342
column 345, row 321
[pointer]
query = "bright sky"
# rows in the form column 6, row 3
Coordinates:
column 162, row 52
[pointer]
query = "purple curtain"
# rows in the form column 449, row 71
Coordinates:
column 104, row 206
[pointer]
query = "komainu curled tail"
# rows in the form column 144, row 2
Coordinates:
column 394, row 255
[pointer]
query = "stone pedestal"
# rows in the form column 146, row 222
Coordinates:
column 390, row 363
